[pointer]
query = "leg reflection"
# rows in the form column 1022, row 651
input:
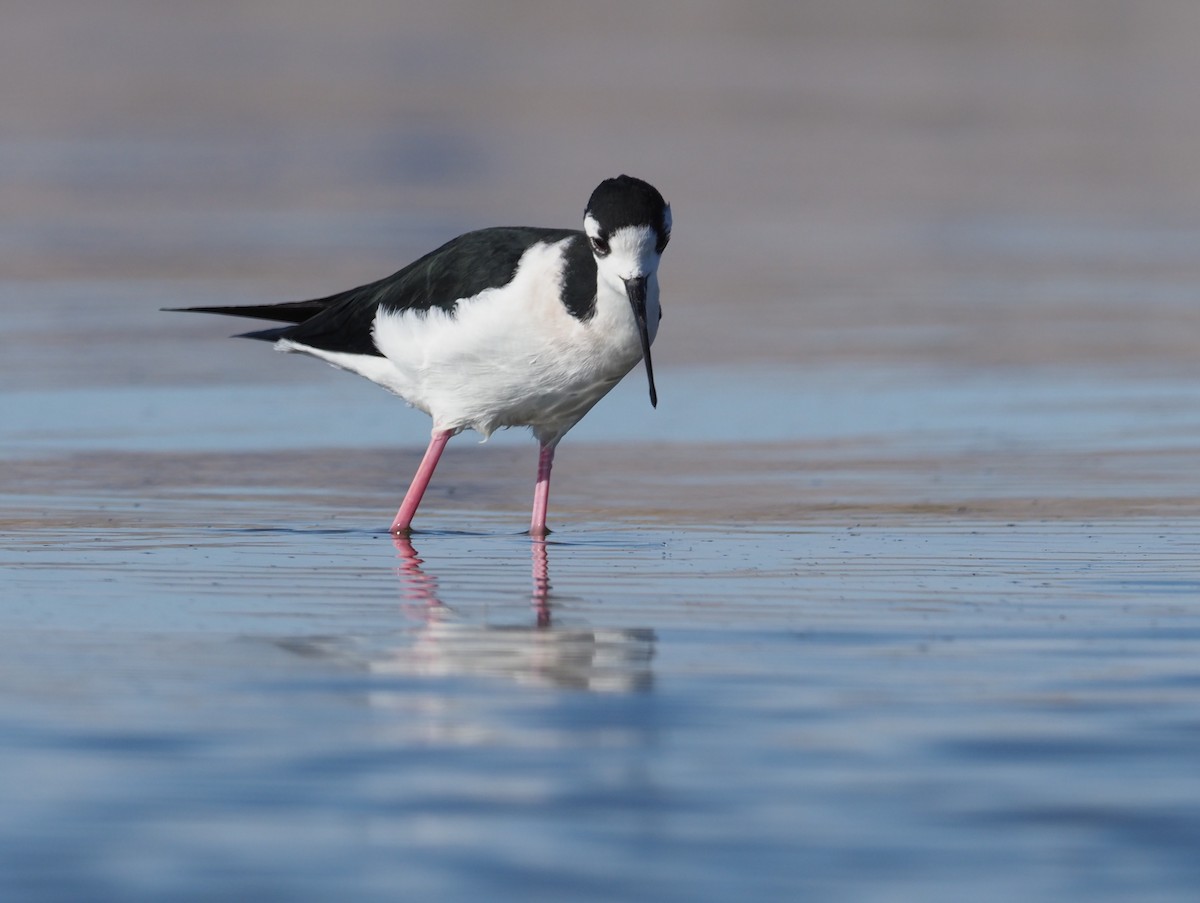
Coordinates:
column 419, row 590
column 541, row 582
column 466, row 640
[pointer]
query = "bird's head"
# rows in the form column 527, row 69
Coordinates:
column 628, row 225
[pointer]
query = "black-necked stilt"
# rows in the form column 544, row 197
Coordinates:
column 510, row 326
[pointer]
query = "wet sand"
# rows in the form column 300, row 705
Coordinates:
column 714, row 486
column 894, row 596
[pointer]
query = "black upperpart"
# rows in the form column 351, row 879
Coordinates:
column 460, row 269
column 626, row 201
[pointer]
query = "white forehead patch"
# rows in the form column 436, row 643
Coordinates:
column 591, row 227
column 632, row 239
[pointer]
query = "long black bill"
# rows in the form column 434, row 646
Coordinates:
column 636, row 289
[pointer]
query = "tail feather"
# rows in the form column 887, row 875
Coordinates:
column 266, row 335
column 341, row 322
column 287, row 312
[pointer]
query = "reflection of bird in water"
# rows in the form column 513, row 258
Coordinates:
column 601, row 659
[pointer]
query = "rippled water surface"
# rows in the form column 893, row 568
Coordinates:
column 896, row 596
column 657, row 713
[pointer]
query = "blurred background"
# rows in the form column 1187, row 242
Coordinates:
column 916, row 183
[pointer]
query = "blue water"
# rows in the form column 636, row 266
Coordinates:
column 868, row 713
column 920, row 407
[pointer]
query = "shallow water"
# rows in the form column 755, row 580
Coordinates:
column 894, row 597
column 651, row 713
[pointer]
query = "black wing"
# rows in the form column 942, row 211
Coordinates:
column 459, row 269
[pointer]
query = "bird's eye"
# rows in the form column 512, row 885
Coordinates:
column 600, row 246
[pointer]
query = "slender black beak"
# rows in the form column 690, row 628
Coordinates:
column 636, row 289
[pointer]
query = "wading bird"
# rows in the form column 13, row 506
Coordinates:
column 501, row 327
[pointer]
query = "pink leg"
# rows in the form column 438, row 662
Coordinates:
column 541, row 492
column 420, row 483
